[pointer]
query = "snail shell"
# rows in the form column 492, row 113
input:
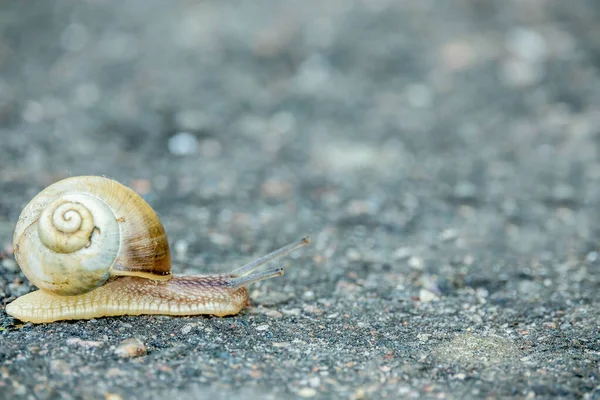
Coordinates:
column 78, row 232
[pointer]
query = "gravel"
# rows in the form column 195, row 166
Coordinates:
column 443, row 156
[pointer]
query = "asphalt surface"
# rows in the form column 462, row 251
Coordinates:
column 444, row 157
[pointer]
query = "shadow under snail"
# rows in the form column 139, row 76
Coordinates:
column 95, row 249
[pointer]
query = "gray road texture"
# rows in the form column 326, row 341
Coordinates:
column 444, row 156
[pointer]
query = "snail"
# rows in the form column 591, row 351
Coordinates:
column 95, row 248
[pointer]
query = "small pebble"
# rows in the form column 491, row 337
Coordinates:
column 416, row 263
column 174, row 352
column 276, row 189
column 590, row 257
column 314, row 382
column 273, row 314
column 312, row 310
column 183, row 143
column 309, row 294
column 18, row 289
column 565, row 326
column 186, row 329
column 527, row 44
column 353, row 254
column 60, row 367
column 359, row 394
column 10, row 265
column 361, row 207
column 19, row 390
column 448, row 235
column 458, row 55
column 114, row 372
column 262, row 327
column 313, row 74
column 423, row 337
column 130, row 348
column 402, row 253
column 517, row 73
column 181, row 248
column 307, row 392
column 270, row 298
column 84, row 343
column 220, row 239
column 426, row 296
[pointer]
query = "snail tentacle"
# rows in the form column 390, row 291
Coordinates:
column 258, row 276
column 281, row 252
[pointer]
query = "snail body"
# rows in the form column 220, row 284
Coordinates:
column 95, row 248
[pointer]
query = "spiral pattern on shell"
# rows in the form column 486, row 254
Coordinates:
column 65, row 227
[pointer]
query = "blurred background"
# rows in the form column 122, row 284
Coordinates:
column 445, row 150
column 335, row 112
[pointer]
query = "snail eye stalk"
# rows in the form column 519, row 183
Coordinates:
column 282, row 252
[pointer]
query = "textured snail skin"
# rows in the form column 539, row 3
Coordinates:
column 179, row 296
